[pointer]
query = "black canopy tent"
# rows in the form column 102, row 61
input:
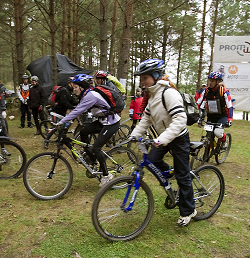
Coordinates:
column 42, row 67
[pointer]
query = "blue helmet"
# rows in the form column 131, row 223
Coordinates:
column 216, row 75
column 154, row 67
column 83, row 80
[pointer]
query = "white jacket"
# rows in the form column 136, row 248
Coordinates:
column 170, row 122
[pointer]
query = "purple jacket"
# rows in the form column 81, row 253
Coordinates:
column 94, row 102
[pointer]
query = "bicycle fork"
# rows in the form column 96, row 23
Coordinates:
column 133, row 197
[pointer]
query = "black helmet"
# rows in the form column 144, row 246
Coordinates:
column 150, row 66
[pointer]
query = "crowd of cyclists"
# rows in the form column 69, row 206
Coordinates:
column 146, row 107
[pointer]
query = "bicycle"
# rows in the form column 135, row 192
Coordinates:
column 120, row 136
column 210, row 146
column 123, row 208
column 12, row 158
column 49, row 175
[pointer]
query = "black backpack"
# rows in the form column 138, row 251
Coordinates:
column 190, row 107
column 113, row 97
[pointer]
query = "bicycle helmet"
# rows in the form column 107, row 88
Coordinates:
column 25, row 76
column 101, row 74
column 34, row 78
column 216, row 75
column 150, row 66
column 83, row 80
column 70, row 79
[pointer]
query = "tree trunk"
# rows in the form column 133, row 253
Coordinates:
column 103, row 35
column 112, row 43
column 202, row 44
column 74, row 31
column 179, row 58
column 53, row 40
column 213, row 34
column 126, row 40
column 18, row 13
column 63, row 43
column 69, row 28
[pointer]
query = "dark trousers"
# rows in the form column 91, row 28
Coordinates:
column 134, row 123
column 35, row 114
column 105, row 133
column 24, row 111
column 180, row 151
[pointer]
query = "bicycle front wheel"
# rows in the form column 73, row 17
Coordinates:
column 48, row 176
column 224, row 149
column 208, row 185
column 121, row 161
column 12, row 159
column 110, row 217
column 200, row 158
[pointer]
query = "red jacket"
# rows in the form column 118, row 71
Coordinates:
column 135, row 106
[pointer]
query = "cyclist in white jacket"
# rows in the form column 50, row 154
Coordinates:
column 170, row 124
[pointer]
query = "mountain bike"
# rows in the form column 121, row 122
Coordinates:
column 47, row 126
column 123, row 208
column 12, row 158
column 49, row 175
column 211, row 147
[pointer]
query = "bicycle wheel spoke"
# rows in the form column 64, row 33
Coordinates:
column 123, row 161
column 113, row 222
column 12, row 160
column 208, row 186
column 37, row 180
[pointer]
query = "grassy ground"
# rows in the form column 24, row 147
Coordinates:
column 63, row 228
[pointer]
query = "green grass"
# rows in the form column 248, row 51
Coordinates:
column 63, row 228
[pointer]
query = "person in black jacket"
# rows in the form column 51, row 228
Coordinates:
column 36, row 101
column 65, row 99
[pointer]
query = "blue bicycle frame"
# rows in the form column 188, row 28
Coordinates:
column 161, row 177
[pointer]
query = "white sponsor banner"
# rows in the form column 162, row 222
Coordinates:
column 237, row 81
column 232, row 49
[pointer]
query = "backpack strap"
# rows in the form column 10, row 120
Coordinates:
column 221, row 91
column 162, row 96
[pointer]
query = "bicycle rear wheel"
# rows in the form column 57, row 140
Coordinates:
column 12, row 159
column 46, row 127
column 221, row 156
column 122, row 134
column 48, row 176
column 121, row 161
column 208, row 185
column 109, row 216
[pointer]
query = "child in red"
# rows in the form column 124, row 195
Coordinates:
column 134, row 108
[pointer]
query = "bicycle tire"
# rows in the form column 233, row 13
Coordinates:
column 77, row 130
column 45, row 127
column 122, row 134
column 223, row 154
column 111, row 221
column 35, row 176
column 208, row 200
column 125, row 161
column 200, row 158
column 11, row 166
